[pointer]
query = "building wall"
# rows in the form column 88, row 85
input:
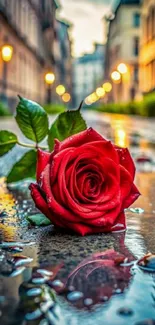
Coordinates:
column 147, row 49
column 62, row 50
column 123, row 40
column 88, row 74
column 21, row 25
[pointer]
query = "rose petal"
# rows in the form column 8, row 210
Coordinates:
column 39, row 200
column 43, row 158
column 132, row 197
column 81, row 138
column 125, row 182
column 126, row 160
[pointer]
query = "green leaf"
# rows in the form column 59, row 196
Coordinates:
column 32, row 120
column 66, row 124
column 7, row 141
column 24, row 168
column 39, row 220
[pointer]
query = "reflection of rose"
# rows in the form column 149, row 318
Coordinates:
column 100, row 276
column 85, row 184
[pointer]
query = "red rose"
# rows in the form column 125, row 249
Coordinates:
column 85, row 184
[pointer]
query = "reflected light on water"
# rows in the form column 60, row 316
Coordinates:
column 121, row 138
column 7, row 206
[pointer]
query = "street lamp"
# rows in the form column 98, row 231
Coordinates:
column 6, row 53
column 49, row 79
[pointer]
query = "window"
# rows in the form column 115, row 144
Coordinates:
column 136, row 19
column 136, row 46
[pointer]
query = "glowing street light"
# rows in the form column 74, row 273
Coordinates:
column 60, row 90
column 122, row 68
column 100, row 92
column 7, row 52
column 49, row 78
column 107, row 86
column 115, row 76
column 66, row 97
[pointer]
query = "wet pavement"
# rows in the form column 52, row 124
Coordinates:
column 93, row 283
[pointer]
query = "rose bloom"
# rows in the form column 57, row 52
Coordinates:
column 85, row 184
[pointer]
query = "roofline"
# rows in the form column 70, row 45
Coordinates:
column 65, row 22
column 57, row 4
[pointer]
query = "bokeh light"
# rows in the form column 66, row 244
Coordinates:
column 122, row 68
column 7, row 52
column 60, row 90
column 49, row 78
column 107, row 86
column 100, row 92
column 116, row 76
column 66, row 97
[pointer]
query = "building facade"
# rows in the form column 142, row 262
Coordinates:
column 88, row 73
column 123, row 47
column 26, row 25
column 62, row 54
column 147, row 48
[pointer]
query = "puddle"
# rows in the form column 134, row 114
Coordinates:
column 78, row 281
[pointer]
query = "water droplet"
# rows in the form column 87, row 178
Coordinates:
column 88, row 302
column 40, row 280
column 20, row 260
column 124, row 311
column 34, row 315
column 45, row 272
column 34, row 292
column 57, row 283
column 46, row 306
column 118, row 290
column 71, row 288
column 74, row 296
column 16, row 272
column 105, row 298
column 147, row 263
column 136, row 210
column 6, row 245
column 15, row 249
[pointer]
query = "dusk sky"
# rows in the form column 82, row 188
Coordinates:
column 86, row 16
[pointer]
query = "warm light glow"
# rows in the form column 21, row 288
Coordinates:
column 93, row 97
column 100, row 92
column 107, row 86
column 122, row 68
column 7, row 52
column 115, row 76
column 60, row 90
column 49, row 78
column 88, row 101
column 66, row 97
column 120, row 137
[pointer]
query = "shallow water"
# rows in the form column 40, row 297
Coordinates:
column 88, row 289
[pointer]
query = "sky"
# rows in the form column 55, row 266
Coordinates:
column 86, row 17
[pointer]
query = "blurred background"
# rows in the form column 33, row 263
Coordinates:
column 60, row 52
